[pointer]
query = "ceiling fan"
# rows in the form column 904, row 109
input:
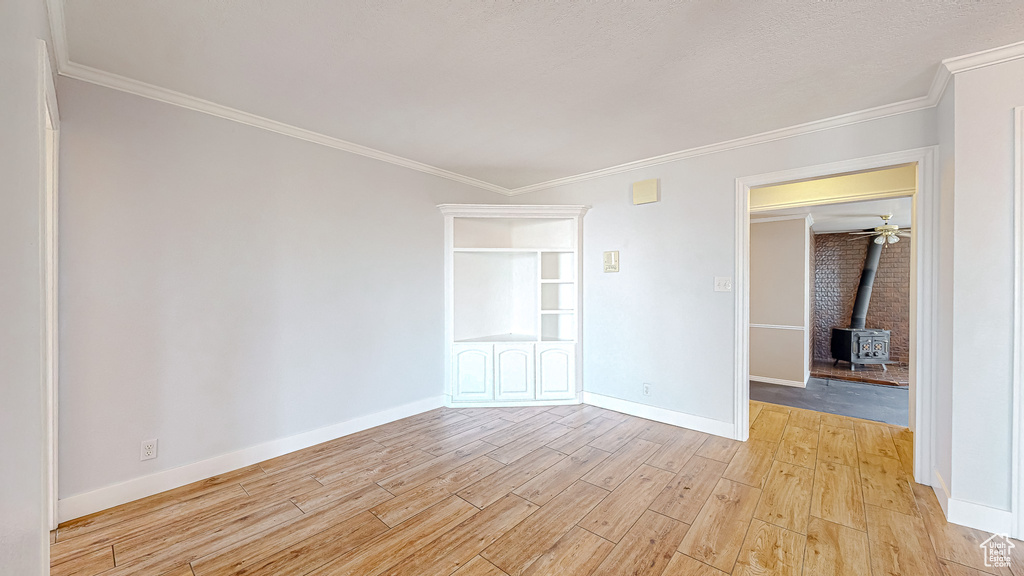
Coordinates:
column 886, row 233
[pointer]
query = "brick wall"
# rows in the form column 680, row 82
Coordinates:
column 838, row 262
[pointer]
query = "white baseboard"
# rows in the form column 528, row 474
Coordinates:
column 969, row 514
column 508, row 403
column 682, row 419
column 109, row 496
column 979, row 516
column 780, row 381
column 941, row 492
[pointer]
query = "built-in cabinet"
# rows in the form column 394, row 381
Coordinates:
column 512, row 303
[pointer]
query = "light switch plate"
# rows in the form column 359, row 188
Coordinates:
column 723, row 284
column 611, row 261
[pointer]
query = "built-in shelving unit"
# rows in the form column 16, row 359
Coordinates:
column 512, row 302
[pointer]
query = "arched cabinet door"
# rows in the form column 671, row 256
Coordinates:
column 513, row 372
column 556, row 371
column 473, row 372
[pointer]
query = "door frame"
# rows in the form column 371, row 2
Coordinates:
column 49, row 139
column 1017, row 447
column 923, row 288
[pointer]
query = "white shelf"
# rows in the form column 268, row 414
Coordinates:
column 503, row 338
column 512, row 290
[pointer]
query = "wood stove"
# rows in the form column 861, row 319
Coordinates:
column 857, row 344
column 860, row 346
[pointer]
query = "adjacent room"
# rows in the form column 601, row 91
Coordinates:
column 830, row 297
column 511, row 288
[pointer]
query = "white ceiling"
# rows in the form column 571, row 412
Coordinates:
column 517, row 93
column 849, row 216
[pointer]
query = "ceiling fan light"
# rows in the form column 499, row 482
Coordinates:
column 894, row 239
column 880, row 240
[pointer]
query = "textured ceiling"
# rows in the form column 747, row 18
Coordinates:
column 516, row 93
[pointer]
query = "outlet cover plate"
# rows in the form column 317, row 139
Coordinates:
column 148, row 449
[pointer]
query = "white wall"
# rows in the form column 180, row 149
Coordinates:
column 23, row 528
column 658, row 320
column 779, row 296
column 224, row 286
column 942, row 458
column 983, row 282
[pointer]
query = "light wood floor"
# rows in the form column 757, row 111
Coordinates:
column 570, row 490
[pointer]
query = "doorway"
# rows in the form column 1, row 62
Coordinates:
column 816, row 271
column 923, row 283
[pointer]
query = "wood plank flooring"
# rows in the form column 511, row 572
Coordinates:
column 549, row 491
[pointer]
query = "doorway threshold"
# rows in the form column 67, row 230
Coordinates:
column 881, row 403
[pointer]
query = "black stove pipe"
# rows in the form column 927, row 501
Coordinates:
column 867, row 279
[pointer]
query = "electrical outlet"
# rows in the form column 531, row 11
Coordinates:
column 723, row 284
column 148, row 449
column 647, row 388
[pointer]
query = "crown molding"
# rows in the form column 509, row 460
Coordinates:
column 58, row 32
column 945, row 71
column 131, row 86
column 65, row 67
column 984, row 58
column 876, row 113
column 513, row 210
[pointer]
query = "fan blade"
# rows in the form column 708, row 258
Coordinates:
column 903, row 234
column 862, row 233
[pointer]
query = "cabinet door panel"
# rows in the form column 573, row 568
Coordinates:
column 473, row 372
column 556, row 371
column 513, row 372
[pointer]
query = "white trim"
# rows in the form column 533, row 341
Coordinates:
column 513, row 210
column 923, row 312
column 82, row 504
column 779, row 381
column 159, row 94
column 941, row 492
column 741, row 334
column 976, row 60
column 765, row 219
column 808, row 281
column 877, row 113
column 939, row 82
column 509, row 403
column 878, row 195
column 944, row 71
column 1017, row 470
column 682, row 419
column 979, row 516
column 145, row 90
column 777, row 327
column 58, row 33
column 49, row 120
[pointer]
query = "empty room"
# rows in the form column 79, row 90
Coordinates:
column 457, row 288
